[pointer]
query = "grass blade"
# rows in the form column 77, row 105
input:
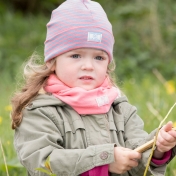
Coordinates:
column 4, row 158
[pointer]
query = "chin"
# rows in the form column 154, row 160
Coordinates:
column 88, row 88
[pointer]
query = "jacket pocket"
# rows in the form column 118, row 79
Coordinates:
column 116, row 125
column 75, row 137
column 74, row 126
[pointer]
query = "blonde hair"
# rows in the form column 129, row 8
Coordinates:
column 111, row 73
column 35, row 77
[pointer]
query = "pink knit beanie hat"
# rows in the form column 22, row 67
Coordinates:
column 78, row 24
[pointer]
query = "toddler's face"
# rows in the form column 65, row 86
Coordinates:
column 84, row 67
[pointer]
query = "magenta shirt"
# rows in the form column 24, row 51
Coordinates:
column 164, row 159
column 97, row 171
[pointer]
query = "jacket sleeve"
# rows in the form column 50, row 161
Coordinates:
column 38, row 138
column 135, row 136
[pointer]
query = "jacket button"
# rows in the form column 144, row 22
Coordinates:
column 104, row 155
column 30, row 105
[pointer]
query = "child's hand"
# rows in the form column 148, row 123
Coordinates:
column 166, row 139
column 125, row 159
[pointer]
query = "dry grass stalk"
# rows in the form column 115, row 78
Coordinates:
column 154, row 111
column 4, row 158
column 174, row 172
column 147, row 145
column 159, row 76
column 154, row 143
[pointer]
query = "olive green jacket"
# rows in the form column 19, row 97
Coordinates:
column 77, row 143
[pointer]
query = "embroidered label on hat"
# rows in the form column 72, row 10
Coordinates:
column 103, row 100
column 94, row 37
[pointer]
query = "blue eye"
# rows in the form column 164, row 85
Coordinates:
column 99, row 58
column 75, row 56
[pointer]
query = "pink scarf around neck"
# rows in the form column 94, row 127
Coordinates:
column 96, row 101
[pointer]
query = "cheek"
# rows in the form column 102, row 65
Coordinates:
column 66, row 75
column 104, row 72
column 60, row 74
column 102, row 76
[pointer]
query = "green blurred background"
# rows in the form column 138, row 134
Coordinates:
column 144, row 52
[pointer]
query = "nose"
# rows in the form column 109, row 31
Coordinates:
column 87, row 64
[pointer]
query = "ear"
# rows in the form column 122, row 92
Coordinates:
column 51, row 64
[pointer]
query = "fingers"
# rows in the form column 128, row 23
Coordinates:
column 131, row 154
column 172, row 133
column 167, row 127
column 125, row 159
column 166, row 138
column 126, row 166
column 131, row 157
column 167, row 134
column 133, row 163
column 163, row 148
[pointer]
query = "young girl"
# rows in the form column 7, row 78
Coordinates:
column 71, row 113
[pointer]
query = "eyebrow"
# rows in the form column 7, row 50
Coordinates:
column 104, row 53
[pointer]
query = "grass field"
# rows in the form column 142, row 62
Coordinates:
column 152, row 96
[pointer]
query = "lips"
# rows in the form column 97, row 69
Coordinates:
column 86, row 78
